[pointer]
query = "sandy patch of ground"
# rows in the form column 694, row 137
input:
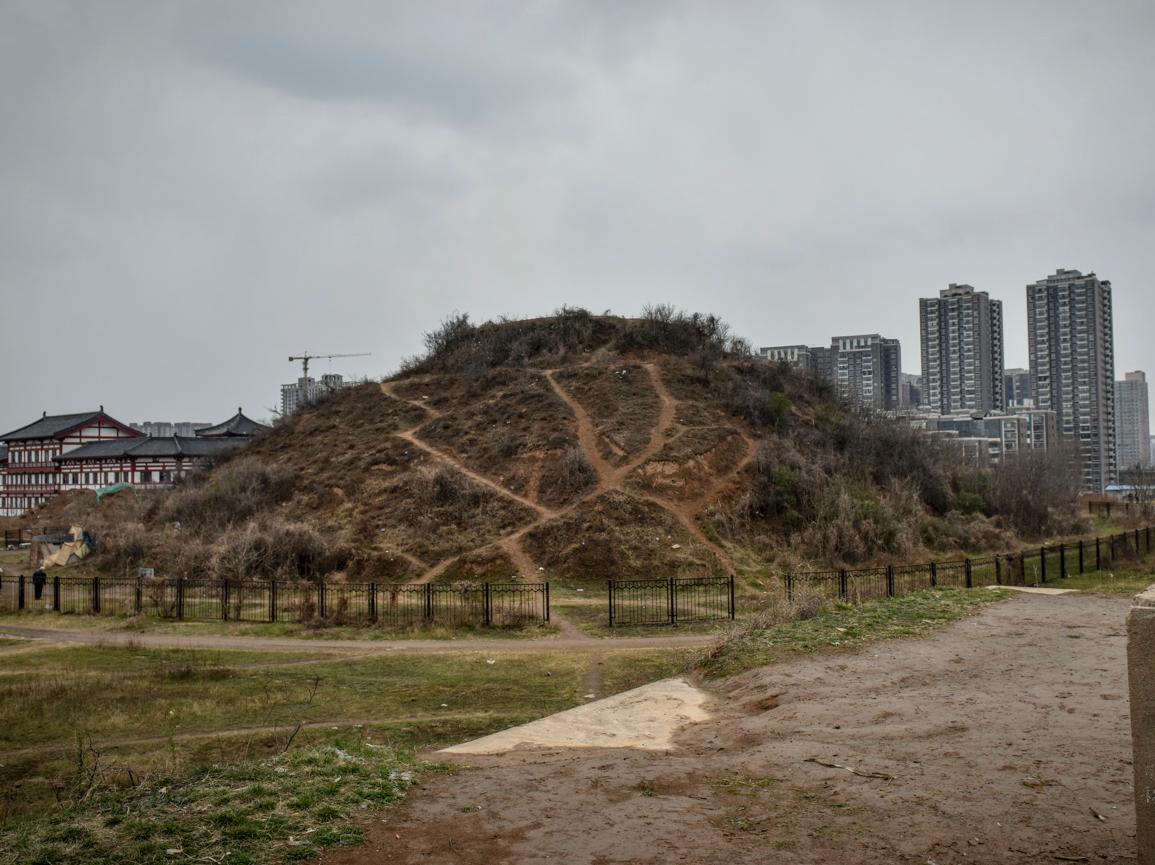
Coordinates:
column 1005, row 739
column 646, row 718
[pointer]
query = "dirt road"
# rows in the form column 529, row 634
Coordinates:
column 1003, row 739
column 567, row 644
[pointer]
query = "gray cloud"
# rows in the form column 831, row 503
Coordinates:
column 189, row 191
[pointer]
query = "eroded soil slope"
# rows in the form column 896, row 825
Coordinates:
column 574, row 475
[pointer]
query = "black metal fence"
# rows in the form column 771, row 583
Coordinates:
column 1025, row 568
column 670, row 602
column 381, row 604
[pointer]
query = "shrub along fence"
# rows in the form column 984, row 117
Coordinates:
column 385, row 604
column 1025, row 568
column 670, row 602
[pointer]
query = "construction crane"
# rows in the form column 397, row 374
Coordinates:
column 306, row 357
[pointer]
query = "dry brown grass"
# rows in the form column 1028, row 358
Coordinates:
column 618, row 536
column 621, row 403
column 507, row 425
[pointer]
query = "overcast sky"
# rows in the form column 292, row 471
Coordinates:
column 192, row 191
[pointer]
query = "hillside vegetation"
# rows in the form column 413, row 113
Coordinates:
column 572, row 448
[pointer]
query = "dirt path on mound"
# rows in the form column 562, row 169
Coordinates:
column 411, row 437
column 1002, row 740
column 610, row 478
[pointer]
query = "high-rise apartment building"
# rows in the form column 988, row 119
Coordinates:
column 867, row 371
column 1132, row 421
column 961, row 332
column 304, row 391
column 1071, row 338
column 1017, row 387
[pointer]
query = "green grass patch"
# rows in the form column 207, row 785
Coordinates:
column 624, row 670
column 163, row 710
column 281, row 809
column 1124, row 581
column 757, row 643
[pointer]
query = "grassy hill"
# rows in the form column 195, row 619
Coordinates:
column 571, row 448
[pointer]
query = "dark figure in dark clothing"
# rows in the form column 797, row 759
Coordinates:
column 39, row 578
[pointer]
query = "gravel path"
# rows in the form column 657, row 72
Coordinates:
column 1003, row 739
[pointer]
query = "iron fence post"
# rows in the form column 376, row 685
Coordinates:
column 842, row 584
column 1042, row 564
column 20, row 599
column 998, row 570
column 488, row 607
column 671, row 596
column 1081, row 553
column 224, row 600
column 273, row 601
column 96, row 594
column 1062, row 561
column 733, row 606
column 429, row 601
column 1138, row 549
column 56, row 594
column 546, row 603
column 138, row 596
column 610, row 600
column 321, row 598
column 1098, row 555
column 934, row 575
column 180, row 597
column 968, row 569
column 890, row 581
column 373, row 602
column 790, row 587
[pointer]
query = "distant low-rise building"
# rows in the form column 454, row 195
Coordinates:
column 865, row 370
column 1042, row 427
column 1005, row 435
column 164, row 429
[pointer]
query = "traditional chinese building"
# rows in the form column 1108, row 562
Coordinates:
column 93, row 450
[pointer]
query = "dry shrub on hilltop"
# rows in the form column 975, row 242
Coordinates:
column 234, row 493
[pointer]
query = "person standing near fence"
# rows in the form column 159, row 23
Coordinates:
column 39, row 578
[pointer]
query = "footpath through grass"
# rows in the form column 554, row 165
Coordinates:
column 123, row 754
column 765, row 639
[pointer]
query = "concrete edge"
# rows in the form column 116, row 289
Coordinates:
column 1146, row 598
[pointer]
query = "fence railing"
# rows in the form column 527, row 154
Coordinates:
column 16, row 538
column 383, row 604
column 1052, row 562
column 670, row 602
column 1120, row 508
